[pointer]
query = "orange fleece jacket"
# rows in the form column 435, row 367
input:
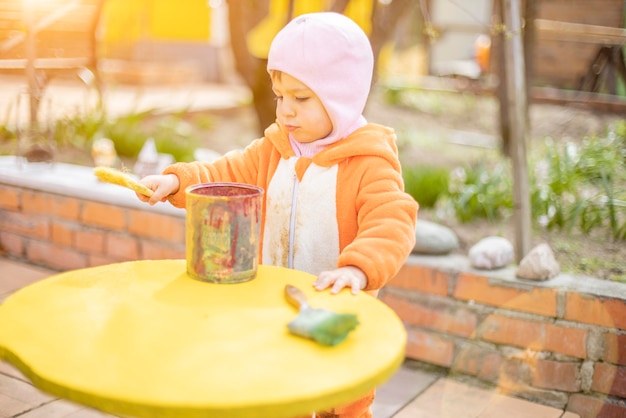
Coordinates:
column 348, row 202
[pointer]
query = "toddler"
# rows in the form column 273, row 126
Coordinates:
column 334, row 203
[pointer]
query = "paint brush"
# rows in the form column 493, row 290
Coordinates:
column 113, row 176
column 322, row 325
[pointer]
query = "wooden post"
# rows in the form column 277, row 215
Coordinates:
column 501, row 89
column 529, row 42
column 517, row 108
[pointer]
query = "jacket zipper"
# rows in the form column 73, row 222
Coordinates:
column 292, row 221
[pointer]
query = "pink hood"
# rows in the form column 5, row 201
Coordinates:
column 332, row 55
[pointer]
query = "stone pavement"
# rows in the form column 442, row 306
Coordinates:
column 413, row 391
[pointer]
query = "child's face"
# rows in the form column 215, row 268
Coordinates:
column 300, row 110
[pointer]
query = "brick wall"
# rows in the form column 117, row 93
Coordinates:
column 61, row 217
column 561, row 342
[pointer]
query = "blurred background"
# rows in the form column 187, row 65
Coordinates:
column 186, row 81
column 568, row 46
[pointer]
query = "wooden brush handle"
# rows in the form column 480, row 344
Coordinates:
column 295, row 296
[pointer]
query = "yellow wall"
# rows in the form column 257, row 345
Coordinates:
column 126, row 21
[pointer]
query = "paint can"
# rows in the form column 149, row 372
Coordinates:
column 223, row 231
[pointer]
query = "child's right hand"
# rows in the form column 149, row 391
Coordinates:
column 163, row 185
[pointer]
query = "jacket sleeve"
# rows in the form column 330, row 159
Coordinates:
column 239, row 166
column 385, row 227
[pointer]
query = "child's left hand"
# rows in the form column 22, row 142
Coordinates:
column 348, row 276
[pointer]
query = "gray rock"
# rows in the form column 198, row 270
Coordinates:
column 434, row 239
column 538, row 264
column 491, row 253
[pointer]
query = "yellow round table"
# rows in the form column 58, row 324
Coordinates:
column 145, row 339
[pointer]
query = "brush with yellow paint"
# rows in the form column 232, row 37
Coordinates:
column 113, row 176
column 322, row 325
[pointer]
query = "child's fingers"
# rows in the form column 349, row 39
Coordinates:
column 350, row 277
column 340, row 284
column 356, row 286
column 345, row 282
column 322, row 282
column 156, row 198
column 335, row 281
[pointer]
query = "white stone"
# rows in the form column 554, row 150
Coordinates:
column 538, row 264
column 491, row 253
column 435, row 239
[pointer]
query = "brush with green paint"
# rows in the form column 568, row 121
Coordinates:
column 324, row 326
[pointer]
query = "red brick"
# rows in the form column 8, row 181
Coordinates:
column 420, row 278
column 10, row 198
column 566, row 340
column 35, row 202
column 429, row 348
column 107, row 216
column 50, row 205
column 516, row 373
column 28, row 226
column 157, row 226
column 458, row 321
column 122, row 247
column 12, row 243
column 589, row 407
column 534, row 335
column 65, row 208
column 57, row 258
column 62, row 234
column 609, row 379
column 607, row 312
column 542, row 301
column 557, row 375
column 513, row 331
column 481, row 362
column 614, row 348
column 152, row 250
column 90, row 241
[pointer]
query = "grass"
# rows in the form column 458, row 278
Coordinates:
column 73, row 135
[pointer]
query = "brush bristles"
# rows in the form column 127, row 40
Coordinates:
column 110, row 175
column 334, row 330
column 325, row 327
